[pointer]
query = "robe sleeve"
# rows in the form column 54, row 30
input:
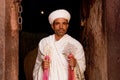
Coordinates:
column 80, row 57
column 37, row 71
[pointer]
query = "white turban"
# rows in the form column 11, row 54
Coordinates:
column 61, row 13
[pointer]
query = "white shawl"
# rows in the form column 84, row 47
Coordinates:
column 58, row 62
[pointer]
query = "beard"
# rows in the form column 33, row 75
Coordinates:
column 60, row 32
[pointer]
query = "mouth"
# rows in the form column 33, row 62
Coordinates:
column 61, row 30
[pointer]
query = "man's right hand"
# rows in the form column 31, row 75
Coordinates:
column 46, row 63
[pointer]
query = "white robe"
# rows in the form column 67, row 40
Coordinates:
column 58, row 62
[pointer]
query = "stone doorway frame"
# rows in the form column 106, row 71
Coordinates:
column 9, row 40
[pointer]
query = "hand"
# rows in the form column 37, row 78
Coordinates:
column 45, row 64
column 71, row 61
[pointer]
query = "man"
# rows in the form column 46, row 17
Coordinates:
column 64, row 52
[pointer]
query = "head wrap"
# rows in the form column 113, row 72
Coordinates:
column 60, row 13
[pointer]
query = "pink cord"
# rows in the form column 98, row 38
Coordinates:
column 46, row 71
column 70, row 69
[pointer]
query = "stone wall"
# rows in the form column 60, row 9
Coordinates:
column 101, row 40
column 8, row 41
column 2, row 39
column 95, row 43
column 113, row 38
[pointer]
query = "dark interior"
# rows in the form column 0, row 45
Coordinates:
column 36, row 26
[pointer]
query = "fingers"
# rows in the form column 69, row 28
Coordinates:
column 45, row 64
column 72, row 62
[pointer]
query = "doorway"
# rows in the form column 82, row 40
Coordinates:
column 35, row 26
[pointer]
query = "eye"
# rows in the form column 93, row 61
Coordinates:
column 65, row 23
column 56, row 23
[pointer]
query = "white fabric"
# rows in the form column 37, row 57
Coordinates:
column 58, row 61
column 61, row 13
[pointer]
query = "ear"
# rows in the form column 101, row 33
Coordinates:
column 68, row 25
column 52, row 26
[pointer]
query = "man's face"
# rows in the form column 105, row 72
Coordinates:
column 60, row 26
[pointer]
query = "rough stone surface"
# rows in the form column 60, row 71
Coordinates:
column 96, row 48
column 113, row 37
column 2, row 39
column 8, row 41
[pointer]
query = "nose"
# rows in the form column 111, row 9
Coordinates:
column 61, row 25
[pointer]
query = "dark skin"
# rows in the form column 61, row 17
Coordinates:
column 60, row 27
